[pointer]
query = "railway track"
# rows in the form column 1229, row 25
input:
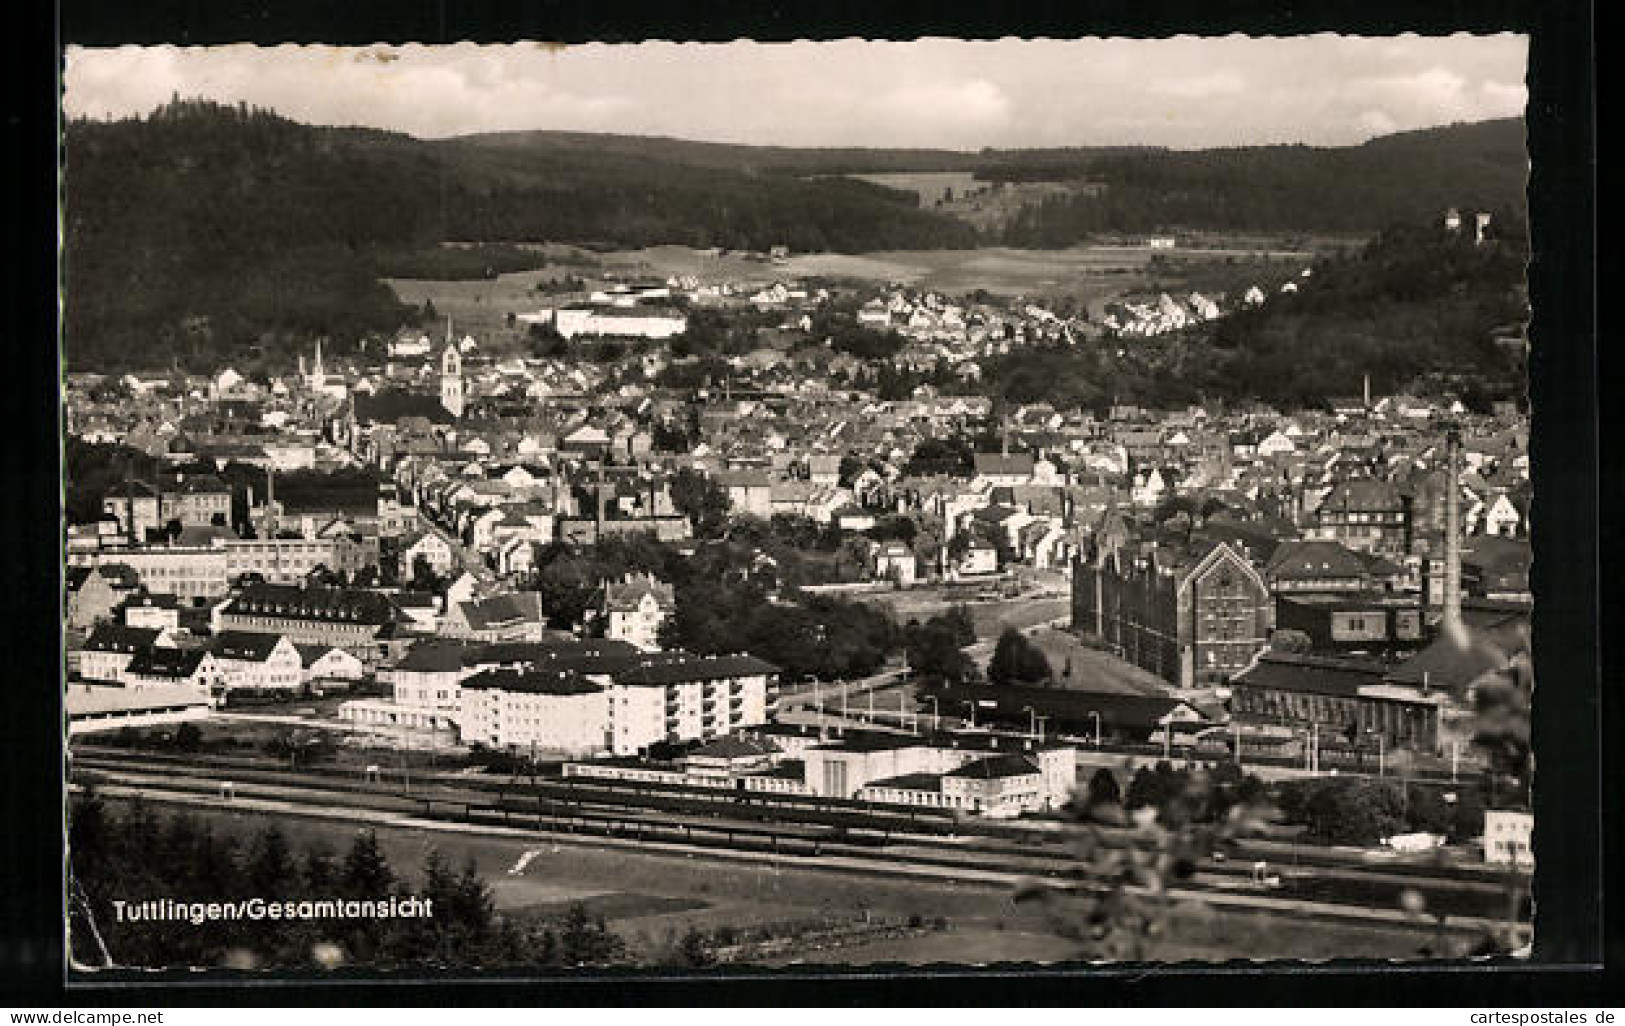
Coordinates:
column 615, row 813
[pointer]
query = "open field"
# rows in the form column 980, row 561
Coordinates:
column 930, row 186
column 1092, row 669
column 650, row 899
column 1085, row 271
column 990, row 618
column 1092, row 274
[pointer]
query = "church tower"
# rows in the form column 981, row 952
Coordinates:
column 451, row 375
column 318, row 377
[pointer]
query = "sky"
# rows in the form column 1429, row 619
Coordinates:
column 1184, row 92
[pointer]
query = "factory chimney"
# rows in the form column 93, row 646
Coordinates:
column 1367, row 392
column 1452, row 531
column 598, row 527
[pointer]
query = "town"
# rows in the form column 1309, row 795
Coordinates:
column 825, row 577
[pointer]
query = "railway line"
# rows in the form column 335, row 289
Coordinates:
column 812, row 832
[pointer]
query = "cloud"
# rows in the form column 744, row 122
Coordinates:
column 975, row 102
column 1181, row 92
column 1376, row 122
column 1218, row 83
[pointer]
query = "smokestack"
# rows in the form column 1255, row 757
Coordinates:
column 599, row 522
column 1367, row 392
column 1452, row 532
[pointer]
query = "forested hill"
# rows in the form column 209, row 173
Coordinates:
column 1418, row 307
column 720, row 156
column 1397, row 179
column 203, row 229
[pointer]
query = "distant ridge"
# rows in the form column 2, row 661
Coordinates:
column 205, row 229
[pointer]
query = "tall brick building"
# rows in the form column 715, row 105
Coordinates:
column 1192, row 615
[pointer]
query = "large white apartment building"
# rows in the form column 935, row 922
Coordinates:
column 648, row 697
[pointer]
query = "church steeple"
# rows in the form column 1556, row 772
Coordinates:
column 318, row 377
column 452, row 392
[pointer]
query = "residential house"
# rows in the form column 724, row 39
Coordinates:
column 324, row 666
column 94, row 592
column 636, row 608
column 257, row 661
column 896, row 562
column 431, row 547
column 1316, row 566
column 1366, row 515
column 512, row 616
column 111, row 646
column 991, row 469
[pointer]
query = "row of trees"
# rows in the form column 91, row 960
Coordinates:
column 137, row 855
column 1364, row 810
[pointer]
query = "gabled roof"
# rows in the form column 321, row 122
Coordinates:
column 929, row 782
column 1062, row 705
column 995, row 768
column 626, row 595
column 734, row 748
column 1362, row 493
column 435, row 656
column 117, row 637
column 1314, row 560
column 688, row 669
column 999, row 464
column 532, row 681
column 1452, row 662
column 503, row 610
column 178, row 663
column 309, row 654
column 1315, row 675
column 244, row 646
column 326, row 605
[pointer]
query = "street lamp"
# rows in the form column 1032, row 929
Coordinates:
column 1032, row 719
column 936, row 714
column 1097, row 727
column 972, row 707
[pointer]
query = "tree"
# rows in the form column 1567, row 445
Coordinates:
column 366, row 872
column 188, row 738
column 1104, row 789
column 424, row 577
column 702, row 501
column 271, row 868
column 1291, row 641
column 694, row 950
column 935, row 654
column 585, row 940
column 570, row 591
column 1016, row 660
